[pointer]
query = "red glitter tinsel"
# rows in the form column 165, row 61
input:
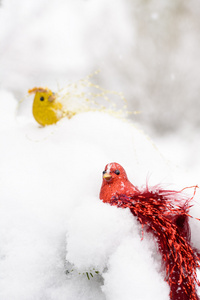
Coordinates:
column 165, row 214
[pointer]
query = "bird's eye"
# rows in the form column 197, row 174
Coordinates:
column 117, row 172
column 42, row 98
column 104, row 172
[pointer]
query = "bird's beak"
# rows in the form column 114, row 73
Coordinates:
column 107, row 176
column 51, row 98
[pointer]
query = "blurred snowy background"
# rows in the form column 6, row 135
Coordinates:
column 149, row 50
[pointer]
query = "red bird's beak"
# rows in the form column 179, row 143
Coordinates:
column 107, row 176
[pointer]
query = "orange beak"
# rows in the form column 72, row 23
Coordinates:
column 107, row 176
column 51, row 98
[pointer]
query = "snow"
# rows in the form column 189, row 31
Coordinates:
column 141, row 281
column 53, row 227
column 97, row 239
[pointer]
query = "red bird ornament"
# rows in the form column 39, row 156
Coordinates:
column 165, row 214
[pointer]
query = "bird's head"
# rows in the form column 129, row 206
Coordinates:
column 114, row 172
column 43, row 96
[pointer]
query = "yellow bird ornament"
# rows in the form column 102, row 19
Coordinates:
column 81, row 96
column 46, row 110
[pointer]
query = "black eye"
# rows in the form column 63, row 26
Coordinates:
column 104, row 172
column 42, row 98
column 117, row 172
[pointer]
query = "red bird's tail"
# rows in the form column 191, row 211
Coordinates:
column 165, row 214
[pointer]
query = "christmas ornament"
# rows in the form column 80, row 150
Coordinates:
column 164, row 213
column 46, row 110
column 78, row 97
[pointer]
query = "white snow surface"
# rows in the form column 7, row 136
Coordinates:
column 51, row 218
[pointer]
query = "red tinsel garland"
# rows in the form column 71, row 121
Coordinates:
column 154, row 210
column 165, row 214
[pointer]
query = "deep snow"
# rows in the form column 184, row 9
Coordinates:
column 53, row 225
column 51, row 218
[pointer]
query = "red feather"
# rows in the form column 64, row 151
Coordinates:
column 165, row 214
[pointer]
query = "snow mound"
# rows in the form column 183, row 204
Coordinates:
column 134, row 273
column 50, row 212
column 97, row 240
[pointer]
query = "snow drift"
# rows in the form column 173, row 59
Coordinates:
column 52, row 223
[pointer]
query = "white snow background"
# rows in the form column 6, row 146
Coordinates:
column 51, row 218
